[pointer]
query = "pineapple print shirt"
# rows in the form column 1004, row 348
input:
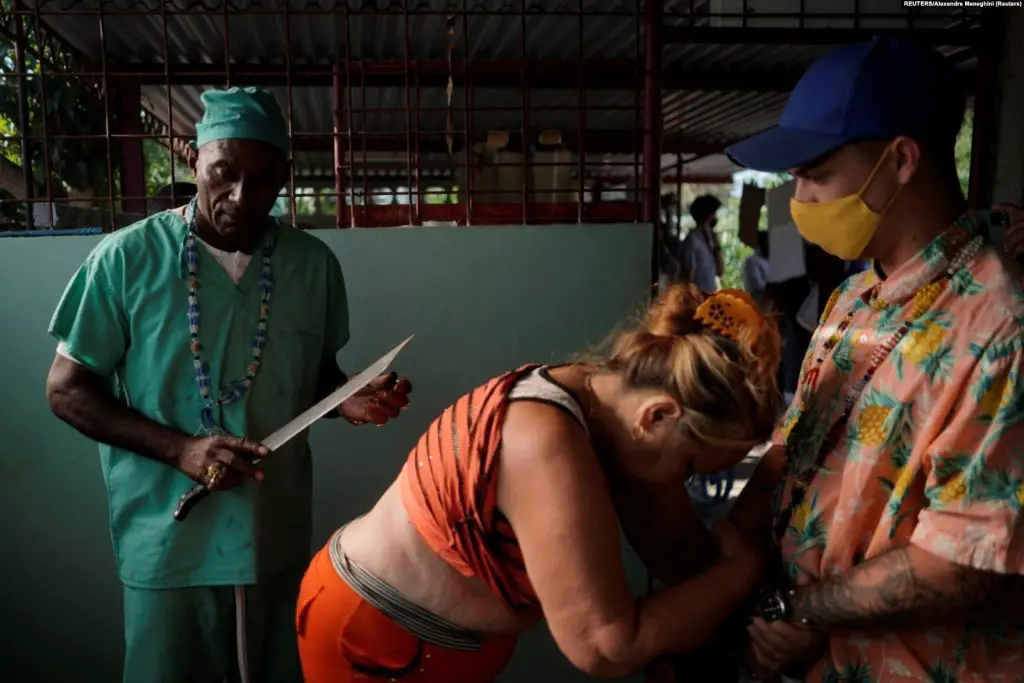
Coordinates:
column 932, row 454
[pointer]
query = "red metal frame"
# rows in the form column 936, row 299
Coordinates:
column 133, row 162
column 349, row 161
column 652, row 109
column 653, row 12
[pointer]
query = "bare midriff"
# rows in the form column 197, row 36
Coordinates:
column 386, row 543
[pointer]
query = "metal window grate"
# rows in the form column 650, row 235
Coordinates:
column 544, row 123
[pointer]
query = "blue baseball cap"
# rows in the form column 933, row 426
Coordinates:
column 876, row 90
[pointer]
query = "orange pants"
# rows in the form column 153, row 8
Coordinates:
column 343, row 638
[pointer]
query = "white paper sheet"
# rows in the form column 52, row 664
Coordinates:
column 332, row 400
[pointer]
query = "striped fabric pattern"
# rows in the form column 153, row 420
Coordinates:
column 448, row 489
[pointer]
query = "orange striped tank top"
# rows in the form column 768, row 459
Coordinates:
column 449, row 491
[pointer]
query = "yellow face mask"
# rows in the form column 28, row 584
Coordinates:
column 843, row 227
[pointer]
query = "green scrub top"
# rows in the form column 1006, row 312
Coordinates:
column 124, row 315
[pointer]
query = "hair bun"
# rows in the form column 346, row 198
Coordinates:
column 673, row 313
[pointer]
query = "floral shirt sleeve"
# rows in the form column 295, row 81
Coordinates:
column 975, row 467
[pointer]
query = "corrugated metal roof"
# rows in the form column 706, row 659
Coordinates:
column 318, row 30
column 386, row 109
column 133, row 33
column 134, row 29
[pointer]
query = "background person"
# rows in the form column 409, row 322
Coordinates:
column 700, row 255
column 184, row 340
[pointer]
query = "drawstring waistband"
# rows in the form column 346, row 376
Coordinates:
column 389, row 601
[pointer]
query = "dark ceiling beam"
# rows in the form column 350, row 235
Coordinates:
column 595, row 142
column 698, row 178
column 709, row 80
column 541, row 75
column 778, row 81
column 812, row 36
column 327, row 180
column 595, row 74
column 670, row 179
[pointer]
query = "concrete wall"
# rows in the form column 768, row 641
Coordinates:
column 480, row 300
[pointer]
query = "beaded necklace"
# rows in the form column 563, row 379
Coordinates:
column 929, row 294
column 235, row 390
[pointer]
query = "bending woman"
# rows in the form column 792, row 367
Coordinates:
column 506, row 511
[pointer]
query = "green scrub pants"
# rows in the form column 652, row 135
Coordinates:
column 192, row 635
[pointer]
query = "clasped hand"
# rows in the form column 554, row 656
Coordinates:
column 779, row 645
column 378, row 402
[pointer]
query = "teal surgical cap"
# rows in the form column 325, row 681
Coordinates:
column 242, row 114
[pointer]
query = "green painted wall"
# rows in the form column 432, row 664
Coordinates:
column 479, row 300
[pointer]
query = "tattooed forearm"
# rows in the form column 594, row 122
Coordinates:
column 902, row 586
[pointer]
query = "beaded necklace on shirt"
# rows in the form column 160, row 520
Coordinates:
column 235, row 390
column 929, row 295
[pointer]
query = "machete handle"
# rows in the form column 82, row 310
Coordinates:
column 189, row 500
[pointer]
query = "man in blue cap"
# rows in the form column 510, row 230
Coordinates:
column 897, row 521
column 184, row 340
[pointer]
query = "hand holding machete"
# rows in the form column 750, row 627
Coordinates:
column 221, row 462
column 369, row 380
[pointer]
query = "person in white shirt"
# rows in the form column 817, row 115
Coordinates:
column 700, row 254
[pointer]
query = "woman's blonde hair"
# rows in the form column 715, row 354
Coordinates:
column 726, row 386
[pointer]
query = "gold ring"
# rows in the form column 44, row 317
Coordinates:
column 214, row 471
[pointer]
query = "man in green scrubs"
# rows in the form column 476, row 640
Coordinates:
column 184, row 340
